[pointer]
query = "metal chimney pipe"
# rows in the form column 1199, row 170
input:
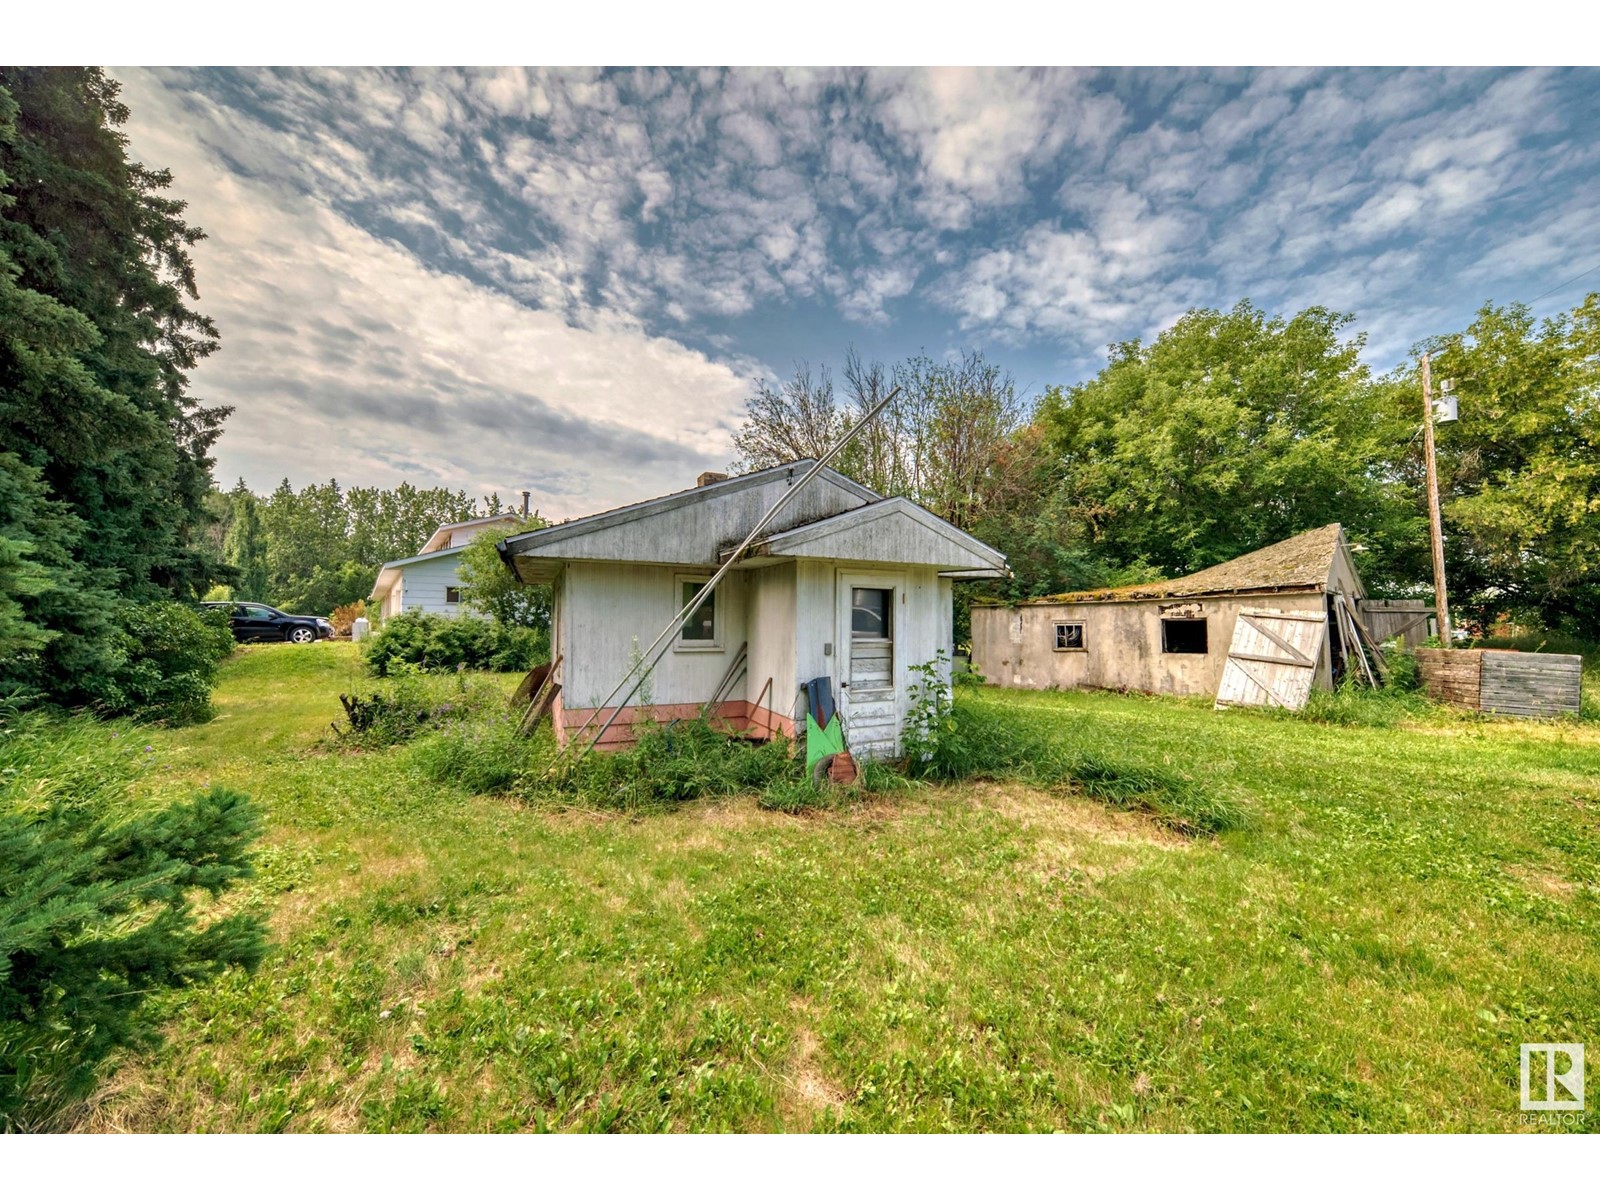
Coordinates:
column 525, row 495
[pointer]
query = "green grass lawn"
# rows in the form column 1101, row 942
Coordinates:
column 1407, row 905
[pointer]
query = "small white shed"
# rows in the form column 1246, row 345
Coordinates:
column 850, row 585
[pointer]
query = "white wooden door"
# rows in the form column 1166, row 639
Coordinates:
column 1273, row 659
column 870, row 699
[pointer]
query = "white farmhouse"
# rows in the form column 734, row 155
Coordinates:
column 847, row 584
column 428, row 581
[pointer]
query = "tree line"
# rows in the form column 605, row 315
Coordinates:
column 319, row 548
column 1234, row 429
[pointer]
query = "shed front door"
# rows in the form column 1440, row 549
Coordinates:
column 1273, row 659
column 870, row 698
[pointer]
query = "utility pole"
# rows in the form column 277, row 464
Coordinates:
column 1441, row 597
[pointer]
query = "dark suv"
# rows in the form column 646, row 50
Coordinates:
column 262, row 623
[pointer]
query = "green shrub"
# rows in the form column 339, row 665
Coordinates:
column 410, row 702
column 164, row 662
column 97, row 904
column 438, row 643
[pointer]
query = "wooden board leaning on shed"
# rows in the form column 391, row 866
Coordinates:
column 1507, row 682
column 1273, row 659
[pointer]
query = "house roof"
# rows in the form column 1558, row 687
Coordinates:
column 893, row 530
column 1300, row 562
column 445, row 531
column 836, row 517
column 689, row 527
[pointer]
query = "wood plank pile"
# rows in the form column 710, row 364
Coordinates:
column 1503, row 681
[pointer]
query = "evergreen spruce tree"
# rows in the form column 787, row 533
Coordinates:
column 108, row 454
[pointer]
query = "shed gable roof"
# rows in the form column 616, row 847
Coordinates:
column 894, row 530
column 690, row 527
column 1300, row 562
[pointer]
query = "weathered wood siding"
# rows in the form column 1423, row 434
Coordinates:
column 1531, row 685
column 610, row 611
column 1408, row 620
column 1504, row 681
column 771, row 628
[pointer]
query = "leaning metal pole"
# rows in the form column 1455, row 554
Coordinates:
column 658, row 648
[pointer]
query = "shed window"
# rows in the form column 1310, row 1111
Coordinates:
column 1184, row 636
column 452, row 595
column 1069, row 635
column 700, row 628
column 871, row 613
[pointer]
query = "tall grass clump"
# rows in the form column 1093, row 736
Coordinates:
column 671, row 764
column 486, row 756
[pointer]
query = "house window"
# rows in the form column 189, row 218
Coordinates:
column 1069, row 635
column 1184, row 636
column 871, row 614
column 452, row 595
column 700, row 628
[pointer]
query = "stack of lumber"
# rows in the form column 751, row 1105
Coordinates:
column 1503, row 681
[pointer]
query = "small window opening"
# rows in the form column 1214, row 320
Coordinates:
column 1069, row 635
column 871, row 613
column 1184, row 636
column 452, row 595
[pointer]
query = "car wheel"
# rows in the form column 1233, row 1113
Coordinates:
column 300, row 635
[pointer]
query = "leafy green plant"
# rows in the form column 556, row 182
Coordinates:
column 165, row 664
column 98, row 904
column 1401, row 673
column 485, row 756
column 491, row 590
column 931, row 735
column 437, row 643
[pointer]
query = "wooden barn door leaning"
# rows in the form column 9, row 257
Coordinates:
column 870, row 607
column 1273, row 659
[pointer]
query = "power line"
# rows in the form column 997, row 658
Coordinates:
column 1569, row 283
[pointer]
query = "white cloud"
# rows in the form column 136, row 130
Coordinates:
column 345, row 356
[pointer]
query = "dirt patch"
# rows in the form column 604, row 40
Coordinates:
column 808, row 1093
column 1545, row 882
column 1077, row 817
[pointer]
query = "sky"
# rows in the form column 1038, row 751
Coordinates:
column 569, row 280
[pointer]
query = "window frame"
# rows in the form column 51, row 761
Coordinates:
column 1203, row 622
column 448, row 598
column 683, row 645
column 1059, row 628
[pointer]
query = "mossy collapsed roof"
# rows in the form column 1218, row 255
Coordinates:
column 1303, row 561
